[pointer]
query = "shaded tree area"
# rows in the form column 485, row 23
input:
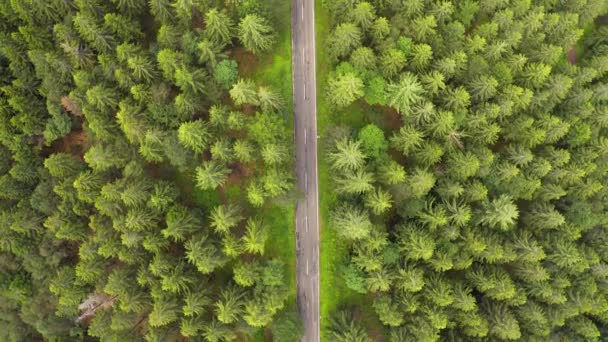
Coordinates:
column 483, row 216
column 100, row 244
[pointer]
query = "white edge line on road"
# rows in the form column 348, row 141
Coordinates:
column 314, row 65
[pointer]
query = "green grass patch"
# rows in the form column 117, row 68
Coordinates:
column 281, row 244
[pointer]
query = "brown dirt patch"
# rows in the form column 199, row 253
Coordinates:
column 571, row 55
column 247, row 61
column 239, row 173
column 391, row 118
column 268, row 334
column 74, row 143
column 198, row 21
column 249, row 109
column 70, row 106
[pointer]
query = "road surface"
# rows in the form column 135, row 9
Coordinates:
column 305, row 121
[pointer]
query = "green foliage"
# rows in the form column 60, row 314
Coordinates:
column 287, row 327
column 194, row 135
column 345, row 89
column 226, row 73
column 344, row 39
column 255, row 34
column 343, row 328
column 114, row 115
column 373, row 141
column 243, row 92
column 502, row 133
column 219, row 26
column 404, row 94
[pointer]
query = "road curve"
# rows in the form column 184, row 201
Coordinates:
column 305, row 122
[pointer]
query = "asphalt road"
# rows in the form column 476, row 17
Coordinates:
column 305, row 121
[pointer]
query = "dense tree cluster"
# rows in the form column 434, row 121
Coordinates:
column 482, row 215
column 102, row 103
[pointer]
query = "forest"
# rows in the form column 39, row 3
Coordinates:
column 145, row 171
column 466, row 170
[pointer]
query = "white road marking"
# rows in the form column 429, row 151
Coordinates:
column 304, row 39
column 305, row 136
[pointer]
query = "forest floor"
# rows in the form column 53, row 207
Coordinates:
column 334, row 294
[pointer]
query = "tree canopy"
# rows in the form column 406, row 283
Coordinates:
column 124, row 168
column 468, row 169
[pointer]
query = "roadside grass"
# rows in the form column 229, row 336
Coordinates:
column 334, row 293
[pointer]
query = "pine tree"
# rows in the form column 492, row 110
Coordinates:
column 363, row 58
column 343, row 328
column 255, row 34
column 407, row 139
column 63, row 165
column 211, row 175
column 345, row 38
column 392, row 62
column 351, row 222
column 202, row 253
column 225, row 217
column 405, row 93
column 194, row 135
column 255, row 237
column 500, row 213
column 378, row 201
column 344, row 89
column 269, row 100
column 347, row 155
column 243, row 92
column 416, row 243
column 354, row 182
column 229, row 306
column 180, row 223
column 364, row 14
column 191, row 81
column 219, row 26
